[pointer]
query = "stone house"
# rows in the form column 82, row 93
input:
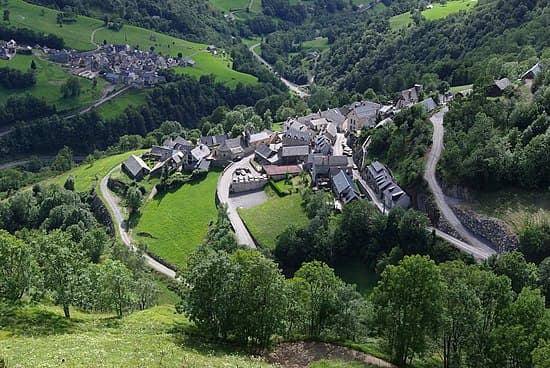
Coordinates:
column 135, row 168
column 362, row 114
column 344, row 188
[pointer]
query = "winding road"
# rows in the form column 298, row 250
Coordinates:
column 112, row 204
column 292, row 86
column 472, row 244
column 222, row 191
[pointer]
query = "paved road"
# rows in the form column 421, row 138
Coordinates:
column 293, row 87
column 337, row 149
column 100, row 102
column 112, row 203
column 473, row 245
column 224, row 182
column 6, row 131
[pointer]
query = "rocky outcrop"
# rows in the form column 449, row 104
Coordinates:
column 494, row 230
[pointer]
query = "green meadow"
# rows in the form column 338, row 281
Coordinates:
column 49, row 78
column 174, row 224
column 87, row 175
column 319, row 44
column 437, row 12
column 267, row 220
column 39, row 337
column 112, row 108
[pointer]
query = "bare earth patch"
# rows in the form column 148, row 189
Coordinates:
column 302, row 354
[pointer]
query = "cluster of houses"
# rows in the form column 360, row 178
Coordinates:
column 379, row 178
column 8, row 49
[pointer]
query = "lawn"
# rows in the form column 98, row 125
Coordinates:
column 229, row 5
column 39, row 336
column 515, row 206
column 116, row 106
column 87, row 175
column 49, row 78
column 437, row 12
column 456, row 89
column 318, row 44
column 220, row 66
column 173, row 225
column 269, row 219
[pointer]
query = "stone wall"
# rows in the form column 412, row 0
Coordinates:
column 494, row 230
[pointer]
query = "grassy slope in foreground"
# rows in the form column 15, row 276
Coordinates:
column 87, row 175
column 49, row 78
column 40, row 337
column 269, row 219
column 174, row 224
column 437, row 12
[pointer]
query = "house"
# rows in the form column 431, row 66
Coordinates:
column 383, row 123
column 171, row 164
column 428, row 105
column 213, row 140
column 11, row 46
column 395, row 196
column 230, row 149
column 386, row 111
column 293, row 154
column 380, row 180
column 264, row 155
column 532, row 73
column 344, row 188
column 197, row 154
column 278, row 172
column 295, row 125
column 409, row 97
column 135, row 167
column 293, row 137
column 160, row 153
column 322, row 145
column 179, row 143
column 188, row 62
column 328, row 166
column 464, row 93
column 362, row 114
column 319, row 125
column 331, row 131
column 255, row 139
column 203, row 166
column 497, row 88
column 61, row 57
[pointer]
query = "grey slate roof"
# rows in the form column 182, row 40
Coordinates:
column 264, row 151
column 342, row 182
column 366, row 109
column 297, row 135
column 503, row 83
column 135, row 164
column 341, row 161
column 294, row 151
column 428, row 104
column 214, row 140
column 200, row 152
column 257, row 137
column 535, row 70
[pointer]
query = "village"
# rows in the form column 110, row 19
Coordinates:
column 119, row 64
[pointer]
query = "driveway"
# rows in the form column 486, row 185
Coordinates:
column 120, row 223
column 224, row 183
column 473, row 245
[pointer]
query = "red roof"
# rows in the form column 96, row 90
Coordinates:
column 271, row 170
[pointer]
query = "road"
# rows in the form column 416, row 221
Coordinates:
column 338, row 149
column 472, row 244
column 100, row 102
column 224, row 182
column 6, row 130
column 92, row 38
column 293, row 87
column 112, row 203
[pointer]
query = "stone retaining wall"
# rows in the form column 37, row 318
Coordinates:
column 494, row 230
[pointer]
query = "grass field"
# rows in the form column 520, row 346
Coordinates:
column 269, row 219
column 456, row 89
column 115, row 107
column 174, row 225
column 49, row 78
column 39, row 336
column 515, row 206
column 319, row 44
column 437, row 12
column 207, row 63
column 87, row 175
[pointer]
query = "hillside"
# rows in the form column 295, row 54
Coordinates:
column 38, row 337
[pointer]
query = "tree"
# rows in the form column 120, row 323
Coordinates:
column 69, row 183
column 93, row 243
column 6, row 16
column 17, row 267
column 260, row 300
column 544, row 278
column 146, row 292
column 61, row 263
column 63, row 160
column 71, row 88
column 220, row 235
column 323, row 289
column 134, row 199
column 513, row 265
column 117, row 287
column 408, row 302
column 541, row 355
column 33, row 65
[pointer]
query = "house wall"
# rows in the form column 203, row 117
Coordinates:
column 248, row 185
